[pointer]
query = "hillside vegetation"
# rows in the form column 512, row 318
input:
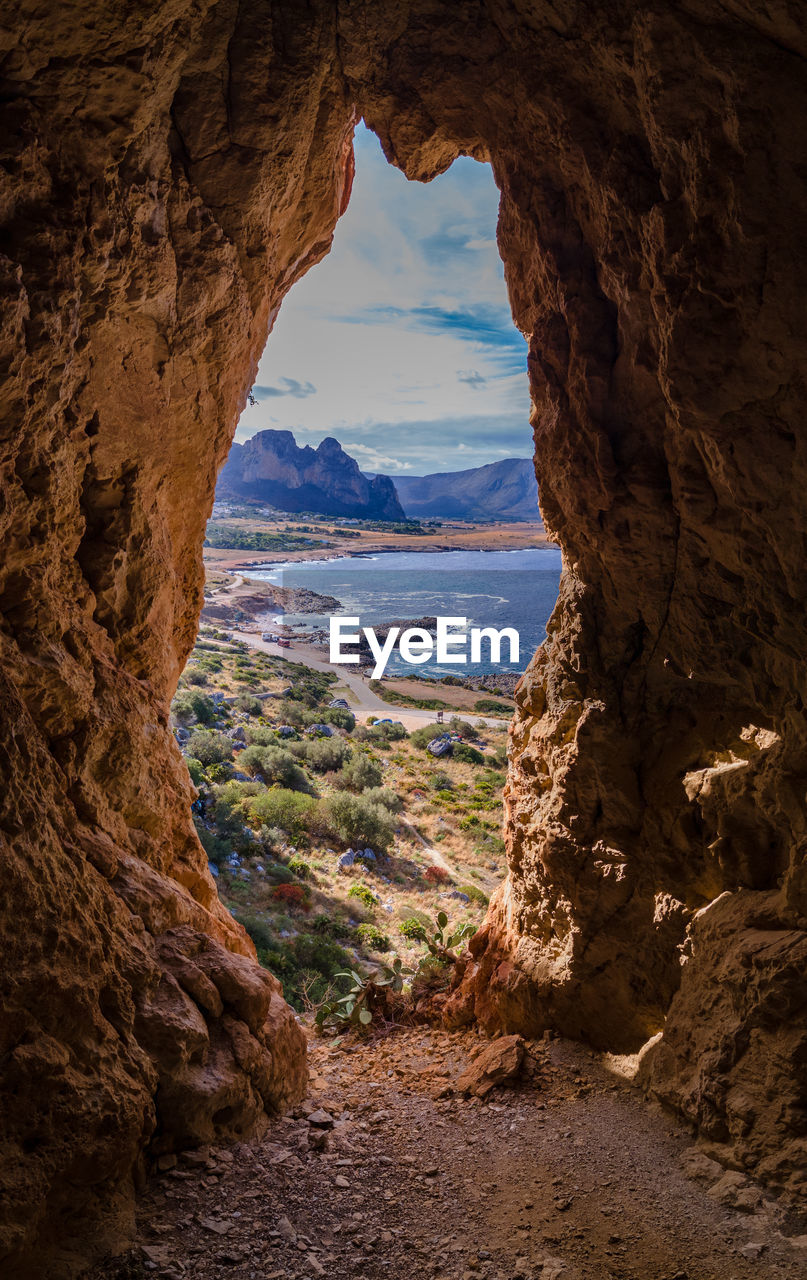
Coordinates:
column 336, row 844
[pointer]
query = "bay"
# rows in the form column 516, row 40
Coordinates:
column 489, row 588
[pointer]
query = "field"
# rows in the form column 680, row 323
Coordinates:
column 288, row 783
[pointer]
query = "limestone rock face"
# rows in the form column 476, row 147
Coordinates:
column 168, row 173
column 271, row 466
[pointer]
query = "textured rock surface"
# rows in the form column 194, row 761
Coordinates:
column 168, row 174
column 271, row 466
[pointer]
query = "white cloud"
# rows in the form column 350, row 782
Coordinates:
column 376, row 461
column 376, row 333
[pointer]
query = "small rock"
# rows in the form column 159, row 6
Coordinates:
column 339, row 1181
column 213, row 1224
column 753, row 1250
column 501, row 1060
column 321, row 1119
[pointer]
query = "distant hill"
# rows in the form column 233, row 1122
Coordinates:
column 273, row 468
column 505, row 490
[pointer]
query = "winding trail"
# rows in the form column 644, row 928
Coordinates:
column 363, row 701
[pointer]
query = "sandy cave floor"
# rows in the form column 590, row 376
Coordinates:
column 567, row 1176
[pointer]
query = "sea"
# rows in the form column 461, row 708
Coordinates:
column 498, row 589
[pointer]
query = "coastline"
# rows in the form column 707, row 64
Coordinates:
column 514, row 536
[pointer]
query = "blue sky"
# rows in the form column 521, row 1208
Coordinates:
column 400, row 343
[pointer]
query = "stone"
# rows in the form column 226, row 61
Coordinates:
column 321, row 1119
column 501, row 1061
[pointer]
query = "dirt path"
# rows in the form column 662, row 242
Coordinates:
column 363, row 701
column 436, row 856
column 566, row 1177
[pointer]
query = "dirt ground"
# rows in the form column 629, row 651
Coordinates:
column 387, row 1172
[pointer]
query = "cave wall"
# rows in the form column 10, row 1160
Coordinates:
column 167, row 175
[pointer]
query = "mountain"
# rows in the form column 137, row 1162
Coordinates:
column 273, row 468
column 505, row 490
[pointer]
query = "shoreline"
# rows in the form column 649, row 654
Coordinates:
column 516, row 536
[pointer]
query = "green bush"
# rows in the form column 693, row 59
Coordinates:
column 393, row 731
column 364, row 895
column 412, row 929
column 490, row 704
column 192, row 705
column 357, row 821
column 209, row 746
column 261, row 735
column 278, row 807
column 371, row 936
column 339, row 716
column 257, row 928
column 300, row 868
column 473, row 892
column 359, row 774
column 462, row 727
column 466, row 754
column 220, row 772
column 422, row 737
column 217, row 850
column 386, row 797
column 195, row 675
column 322, row 754
column 196, row 770
column 249, row 703
column 274, row 765
column 441, row 781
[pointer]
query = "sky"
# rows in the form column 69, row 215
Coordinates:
column 400, row 343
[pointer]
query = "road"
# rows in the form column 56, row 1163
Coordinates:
column 362, row 699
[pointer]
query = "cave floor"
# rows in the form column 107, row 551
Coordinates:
column 569, row 1175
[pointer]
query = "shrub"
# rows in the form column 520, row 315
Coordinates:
column 292, row 895
column 371, row 936
column 209, row 747
column 422, row 737
column 441, row 781
column 261, row 735
column 473, row 892
column 196, row 771
column 220, row 772
column 436, row 875
column 275, row 766
column 323, row 924
column 248, row 703
column 466, row 754
column 195, row 675
column 288, row 810
column 359, row 774
column 462, row 727
column 322, row 754
column 300, row 868
column 357, row 821
column 194, row 705
column 412, row 929
column 217, row 850
column 384, row 796
column 258, row 929
column 490, row 704
column 393, row 731
column 364, row 894
column 341, row 717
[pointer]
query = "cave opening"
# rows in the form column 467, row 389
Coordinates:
column 401, row 344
